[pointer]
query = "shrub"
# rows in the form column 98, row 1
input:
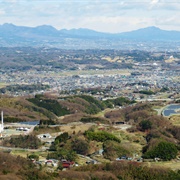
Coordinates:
column 175, row 130
column 101, row 136
column 29, row 141
column 62, row 138
column 33, row 156
column 113, row 150
column 145, row 125
column 93, row 119
column 12, row 119
column 164, row 150
column 64, row 153
column 80, row 146
column 146, row 92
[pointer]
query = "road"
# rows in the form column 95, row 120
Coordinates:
column 159, row 111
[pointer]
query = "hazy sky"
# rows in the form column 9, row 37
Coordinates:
column 100, row 15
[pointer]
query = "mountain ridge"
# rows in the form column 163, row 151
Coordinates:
column 47, row 35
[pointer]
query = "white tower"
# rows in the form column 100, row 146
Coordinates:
column 2, row 122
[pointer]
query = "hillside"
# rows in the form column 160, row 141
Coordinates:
column 49, row 109
column 152, row 34
column 40, row 59
column 126, row 135
column 17, row 168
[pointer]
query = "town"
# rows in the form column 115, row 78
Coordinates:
column 110, row 73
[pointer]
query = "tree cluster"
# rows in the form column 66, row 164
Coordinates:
column 26, row 141
column 163, row 150
column 49, row 104
column 101, row 136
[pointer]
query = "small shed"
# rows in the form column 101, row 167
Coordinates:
column 44, row 136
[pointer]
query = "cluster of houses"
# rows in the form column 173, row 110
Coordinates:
column 22, row 129
column 65, row 164
column 142, row 77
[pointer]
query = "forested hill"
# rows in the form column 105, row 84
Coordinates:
column 48, row 109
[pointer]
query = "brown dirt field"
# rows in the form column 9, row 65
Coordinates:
column 77, row 127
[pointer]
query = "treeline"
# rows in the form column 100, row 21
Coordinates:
column 120, row 171
column 51, row 105
column 23, row 141
column 44, row 107
column 120, row 101
column 145, row 92
column 12, row 119
column 101, row 136
column 29, row 88
column 92, row 91
column 39, row 58
column 163, row 150
column 88, row 119
column 18, row 168
column 84, row 103
column 69, row 105
column 18, row 109
column 91, row 105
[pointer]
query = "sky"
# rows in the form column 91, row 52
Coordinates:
column 112, row 16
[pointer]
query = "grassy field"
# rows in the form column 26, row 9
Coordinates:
column 75, row 128
column 2, row 85
column 174, row 165
column 132, row 141
column 108, row 58
column 22, row 153
column 102, row 113
column 92, row 72
column 25, row 153
column 175, row 119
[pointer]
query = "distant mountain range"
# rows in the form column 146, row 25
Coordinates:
column 45, row 35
